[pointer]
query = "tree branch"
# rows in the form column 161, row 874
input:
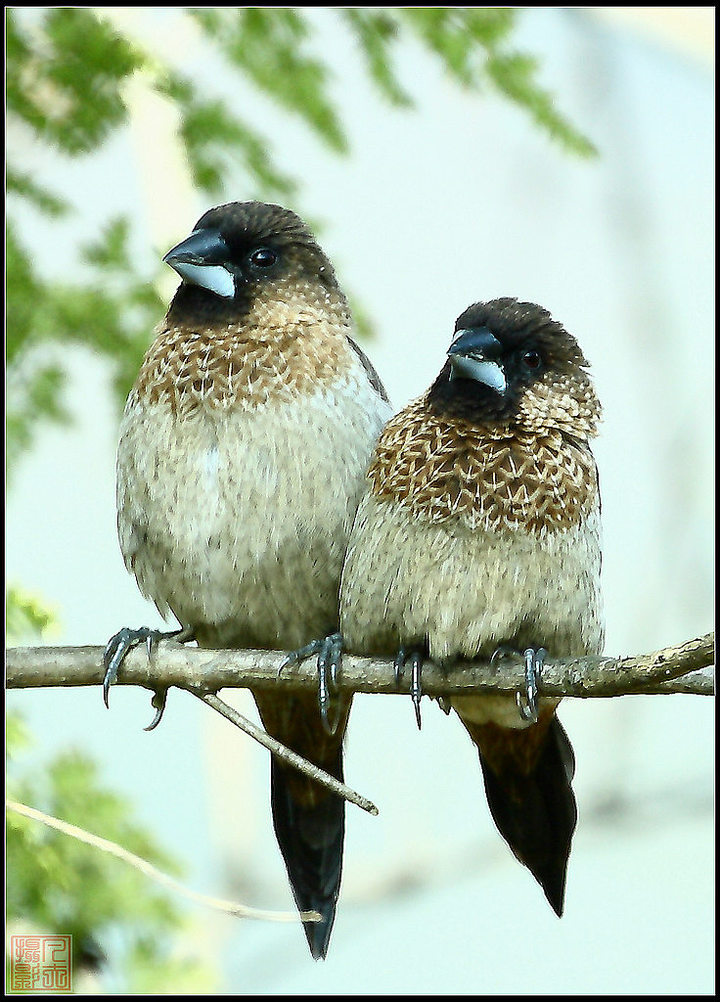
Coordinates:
column 684, row 668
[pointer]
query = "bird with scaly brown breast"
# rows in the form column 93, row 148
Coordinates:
column 243, row 449
column 480, row 531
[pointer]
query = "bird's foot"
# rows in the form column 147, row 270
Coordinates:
column 415, row 658
column 329, row 659
column 116, row 651
column 528, row 702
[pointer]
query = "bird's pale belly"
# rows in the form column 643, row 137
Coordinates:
column 523, row 591
column 238, row 525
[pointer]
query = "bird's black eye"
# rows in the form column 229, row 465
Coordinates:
column 263, row 257
column 531, row 359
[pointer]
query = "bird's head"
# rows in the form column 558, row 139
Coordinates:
column 510, row 363
column 238, row 250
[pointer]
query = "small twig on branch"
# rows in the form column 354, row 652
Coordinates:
column 291, row 757
column 104, row 845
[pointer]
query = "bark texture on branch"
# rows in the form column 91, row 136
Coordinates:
column 682, row 668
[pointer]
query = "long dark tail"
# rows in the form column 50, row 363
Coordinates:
column 311, row 841
column 309, row 820
column 528, row 775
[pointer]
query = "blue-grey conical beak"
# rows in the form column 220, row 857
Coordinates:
column 475, row 354
column 202, row 260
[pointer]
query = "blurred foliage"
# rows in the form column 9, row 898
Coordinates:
column 273, row 47
column 26, row 616
column 113, row 313
column 66, row 74
column 56, row 884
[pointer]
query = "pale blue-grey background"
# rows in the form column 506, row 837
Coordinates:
column 457, row 201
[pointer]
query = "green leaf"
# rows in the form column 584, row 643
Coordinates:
column 215, row 140
column 471, row 43
column 376, row 34
column 52, row 72
column 513, row 74
column 26, row 615
column 17, row 734
column 23, row 185
column 270, row 46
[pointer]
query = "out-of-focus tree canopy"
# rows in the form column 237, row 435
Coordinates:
column 67, row 70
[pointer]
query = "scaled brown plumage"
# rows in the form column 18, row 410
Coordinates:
column 507, row 478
